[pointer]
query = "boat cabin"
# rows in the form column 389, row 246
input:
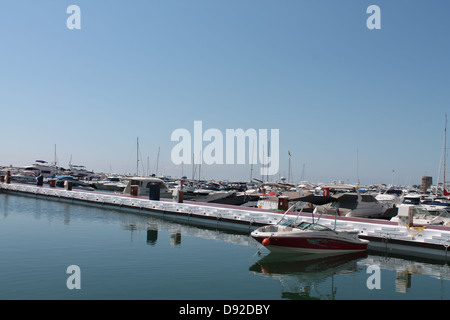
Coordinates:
column 144, row 184
column 411, row 199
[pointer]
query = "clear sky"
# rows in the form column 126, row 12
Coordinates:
column 339, row 93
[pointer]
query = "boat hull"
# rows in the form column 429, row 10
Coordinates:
column 287, row 239
column 312, row 245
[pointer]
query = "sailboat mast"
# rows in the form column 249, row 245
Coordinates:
column 268, row 155
column 56, row 161
column 289, row 167
column 157, row 162
column 443, row 157
column 264, row 163
column 137, row 156
column 445, row 149
column 251, row 162
column 357, row 167
column 193, row 167
column 200, row 165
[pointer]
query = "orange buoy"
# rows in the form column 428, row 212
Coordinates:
column 266, row 242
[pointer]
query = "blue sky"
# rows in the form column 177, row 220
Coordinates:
column 336, row 90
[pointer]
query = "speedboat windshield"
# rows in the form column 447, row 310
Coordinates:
column 303, row 225
column 318, row 227
column 311, row 226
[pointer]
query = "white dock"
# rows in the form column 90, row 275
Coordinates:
column 213, row 215
column 431, row 242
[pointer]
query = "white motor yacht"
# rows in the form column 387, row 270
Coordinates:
column 143, row 185
column 361, row 206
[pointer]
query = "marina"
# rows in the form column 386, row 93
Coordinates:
column 224, row 150
column 430, row 241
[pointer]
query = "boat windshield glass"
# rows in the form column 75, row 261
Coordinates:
column 318, row 227
column 303, row 225
column 285, row 222
column 311, row 226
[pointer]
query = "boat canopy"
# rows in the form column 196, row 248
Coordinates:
column 316, row 200
column 278, row 185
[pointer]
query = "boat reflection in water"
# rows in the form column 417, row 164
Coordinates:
column 406, row 269
column 312, row 276
column 301, row 274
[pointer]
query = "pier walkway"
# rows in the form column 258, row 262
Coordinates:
column 212, row 214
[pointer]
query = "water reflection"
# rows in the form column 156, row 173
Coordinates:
column 405, row 268
column 308, row 276
column 130, row 227
column 152, row 233
column 5, row 207
column 300, row 275
column 66, row 209
column 175, row 238
column 313, row 277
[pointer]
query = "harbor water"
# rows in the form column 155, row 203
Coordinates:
column 124, row 255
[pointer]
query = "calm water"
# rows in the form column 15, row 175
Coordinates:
column 123, row 255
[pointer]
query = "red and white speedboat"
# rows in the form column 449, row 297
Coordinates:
column 308, row 237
